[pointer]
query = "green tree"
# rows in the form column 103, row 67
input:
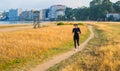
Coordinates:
column 82, row 13
column 68, row 13
column 95, row 2
column 117, row 6
column 61, row 18
column 99, row 9
column 107, row 5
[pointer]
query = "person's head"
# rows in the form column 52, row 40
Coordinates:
column 76, row 25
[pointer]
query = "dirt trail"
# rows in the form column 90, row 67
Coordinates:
column 58, row 58
column 14, row 29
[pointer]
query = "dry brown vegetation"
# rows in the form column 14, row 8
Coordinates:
column 20, row 47
column 101, row 54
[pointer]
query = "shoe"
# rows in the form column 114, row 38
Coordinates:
column 78, row 47
column 75, row 49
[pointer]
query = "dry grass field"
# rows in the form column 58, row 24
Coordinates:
column 2, row 26
column 101, row 54
column 42, row 24
column 18, row 48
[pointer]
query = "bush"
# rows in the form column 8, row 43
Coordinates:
column 60, row 23
column 71, row 23
column 80, row 24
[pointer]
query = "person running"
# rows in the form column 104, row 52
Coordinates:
column 76, row 31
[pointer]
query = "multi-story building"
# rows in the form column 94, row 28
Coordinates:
column 5, row 15
column 14, row 14
column 45, row 13
column 31, row 15
column 26, row 16
column 37, row 15
column 56, row 10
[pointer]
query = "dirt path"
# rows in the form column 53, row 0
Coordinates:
column 14, row 29
column 58, row 58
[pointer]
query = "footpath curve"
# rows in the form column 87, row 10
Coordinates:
column 58, row 58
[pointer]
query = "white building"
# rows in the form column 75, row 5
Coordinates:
column 116, row 16
column 41, row 15
column 14, row 14
column 56, row 10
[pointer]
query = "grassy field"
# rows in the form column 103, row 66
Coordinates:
column 43, row 24
column 21, row 49
column 12, row 26
column 101, row 54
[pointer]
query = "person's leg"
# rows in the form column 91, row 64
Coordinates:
column 78, row 43
column 75, row 42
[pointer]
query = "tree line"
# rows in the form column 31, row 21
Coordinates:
column 97, row 11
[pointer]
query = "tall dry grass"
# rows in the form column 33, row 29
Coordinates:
column 103, row 59
column 101, row 54
column 19, row 46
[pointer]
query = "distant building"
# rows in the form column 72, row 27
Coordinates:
column 51, row 13
column 116, row 16
column 14, row 14
column 56, row 10
column 5, row 16
column 41, row 15
column 26, row 16
column 31, row 15
column 45, row 13
column 1, row 15
column 36, row 15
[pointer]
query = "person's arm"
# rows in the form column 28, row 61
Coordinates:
column 79, row 31
column 73, row 30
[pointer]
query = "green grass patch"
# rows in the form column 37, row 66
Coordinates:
column 65, row 23
column 83, row 37
column 80, row 24
column 60, row 23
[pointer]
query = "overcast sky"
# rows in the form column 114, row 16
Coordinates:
column 41, row 4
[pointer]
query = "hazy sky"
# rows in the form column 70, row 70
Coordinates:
column 41, row 4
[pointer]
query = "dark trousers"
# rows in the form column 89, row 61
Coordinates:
column 76, row 41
